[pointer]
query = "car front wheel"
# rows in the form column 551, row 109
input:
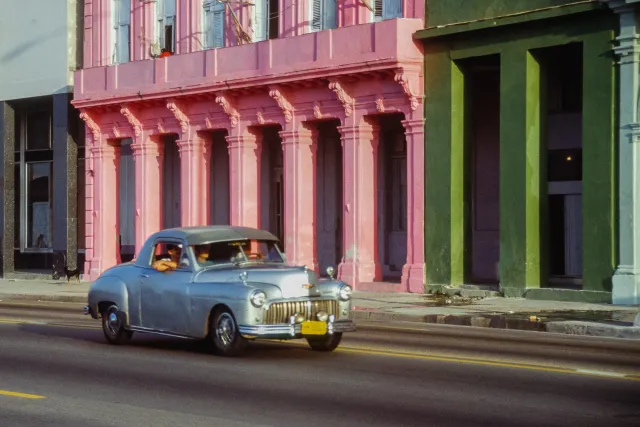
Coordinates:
column 325, row 343
column 225, row 334
column 113, row 327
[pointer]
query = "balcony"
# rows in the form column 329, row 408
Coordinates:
column 366, row 47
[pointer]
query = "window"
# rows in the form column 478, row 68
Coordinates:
column 121, row 18
column 218, row 253
column 387, row 9
column 324, row 14
column 39, row 176
column 214, row 23
column 39, row 130
column 166, row 23
column 265, row 20
column 170, row 251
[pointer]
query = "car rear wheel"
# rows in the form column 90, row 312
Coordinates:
column 113, row 327
column 325, row 343
column 225, row 335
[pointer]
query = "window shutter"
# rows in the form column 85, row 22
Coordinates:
column 122, row 44
column 377, row 10
column 329, row 14
column 218, row 24
column 208, row 21
column 261, row 16
column 391, row 9
column 170, row 20
column 316, row 15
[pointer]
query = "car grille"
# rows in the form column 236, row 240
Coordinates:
column 280, row 312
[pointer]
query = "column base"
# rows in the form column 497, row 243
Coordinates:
column 413, row 276
column 354, row 273
column 626, row 286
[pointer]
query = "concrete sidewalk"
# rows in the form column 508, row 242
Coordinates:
column 370, row 307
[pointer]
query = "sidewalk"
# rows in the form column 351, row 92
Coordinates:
column 370, row 307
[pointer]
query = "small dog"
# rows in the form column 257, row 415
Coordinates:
column 71, row 273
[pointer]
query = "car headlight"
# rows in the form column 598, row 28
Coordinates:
column 258, row 298
column 345, row 292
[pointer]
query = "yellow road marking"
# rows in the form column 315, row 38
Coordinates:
column 408, row 355
column 23, row 395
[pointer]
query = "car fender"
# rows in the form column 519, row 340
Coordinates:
column 108, row 290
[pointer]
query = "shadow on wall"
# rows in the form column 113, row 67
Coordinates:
column 30, row 44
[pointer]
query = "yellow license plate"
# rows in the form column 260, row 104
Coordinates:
column 314, row 328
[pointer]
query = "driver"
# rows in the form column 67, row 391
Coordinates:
column 171, row 263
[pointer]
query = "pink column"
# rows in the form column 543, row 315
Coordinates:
column 244, row 170
column 89, row 208
column 413, row 272
column 148, row 160
column 106, row 163
column 360, row 234
column 300, row 196
column 194, row 182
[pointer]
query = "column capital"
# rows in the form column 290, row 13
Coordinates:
column 178, row 109
column 105, row 151
column 413, row 126
column 185, row 145
column 146, row 148
column 242, row 141
column 300, row 136
column 131, row 115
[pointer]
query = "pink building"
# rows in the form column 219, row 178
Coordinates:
column 301, row 117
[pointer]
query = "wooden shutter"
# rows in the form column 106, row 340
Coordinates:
column 391, row 9
column 261, row 16
column 377, row 10
column 329, row 14
column 316, row 15
column 123, row 28
column 218, row 24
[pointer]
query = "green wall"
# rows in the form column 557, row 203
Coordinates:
column 440, row 12
column 523, row 170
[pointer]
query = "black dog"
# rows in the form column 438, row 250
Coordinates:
column 71, row 273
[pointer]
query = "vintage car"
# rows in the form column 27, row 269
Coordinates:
column 222, row 284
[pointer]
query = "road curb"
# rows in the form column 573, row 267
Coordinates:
column 43, row 298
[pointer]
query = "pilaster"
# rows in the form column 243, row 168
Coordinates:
column 360, row 142
column 626, row 278
column 106, row 161
column 299, row 144
column 7, row 139
column 244, row 177
column 194, row 180
column 148, row 156
column 413, row 272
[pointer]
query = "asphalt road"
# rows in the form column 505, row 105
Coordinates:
column 57, row 370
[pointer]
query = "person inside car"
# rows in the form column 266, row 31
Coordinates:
column 171, row 263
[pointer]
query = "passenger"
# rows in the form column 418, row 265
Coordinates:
column 202, row 254
column 171, row 263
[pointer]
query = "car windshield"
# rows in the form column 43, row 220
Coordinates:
column 237, row 251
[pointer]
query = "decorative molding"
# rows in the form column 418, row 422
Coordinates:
column 178, row 112
column 283, row 103
column 228, row 108
column 160, row 126
column 402, row 79
column 91, row 124
column 380, row 103
column 316, row 110
column 127, row 112
column 343, row 96
column 260, row 116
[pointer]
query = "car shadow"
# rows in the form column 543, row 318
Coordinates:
column 261, row 350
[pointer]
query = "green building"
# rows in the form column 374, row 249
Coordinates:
column 520, row 146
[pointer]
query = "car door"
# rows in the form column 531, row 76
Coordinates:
column 164, row 301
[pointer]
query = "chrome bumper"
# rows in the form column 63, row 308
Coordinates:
column 291, row 330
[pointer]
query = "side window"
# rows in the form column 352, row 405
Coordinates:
column 387, row 9
column 324, row 14
column 214, row 25
column 168, row 251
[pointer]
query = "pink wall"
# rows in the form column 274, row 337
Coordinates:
column 354, row 75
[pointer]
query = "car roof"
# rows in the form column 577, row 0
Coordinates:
column 215, row 233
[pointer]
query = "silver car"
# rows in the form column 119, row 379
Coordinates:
column 223, row 284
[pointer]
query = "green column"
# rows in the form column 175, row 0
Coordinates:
column 445, row 247
column 598, row 167
column 520, row 165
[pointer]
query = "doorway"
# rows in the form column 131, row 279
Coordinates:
column 272, row 183
column 127, row 198
column 329, row 196
column 220, row 204
column 171, row 215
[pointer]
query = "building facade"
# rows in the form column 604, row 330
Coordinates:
column 42, row 138
column 521, row 155
column 304, row 118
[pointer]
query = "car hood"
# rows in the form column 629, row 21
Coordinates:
column 292, row 281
